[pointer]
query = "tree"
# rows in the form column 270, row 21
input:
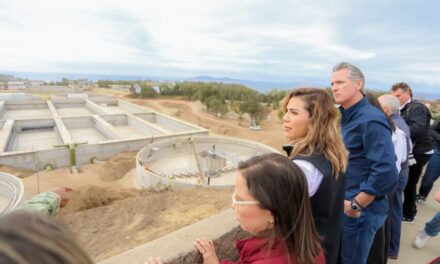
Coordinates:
column 255, row 109
column 216, row 105
column 132, row 90
column 147, row 91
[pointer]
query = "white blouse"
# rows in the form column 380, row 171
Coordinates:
column 313, row 175
column 400, row 147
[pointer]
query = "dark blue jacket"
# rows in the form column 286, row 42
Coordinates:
column 371, row 162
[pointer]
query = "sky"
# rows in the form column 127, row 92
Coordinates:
column 283, row 41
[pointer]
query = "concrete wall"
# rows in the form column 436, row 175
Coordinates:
column 26, row 105
column 34, row 123
column 18, row 97
column 53, row 89
column 63, row 99
column 5, row 134
column 36, row 160
column 78, row 122
column 174, row 124
column 61, row 129
column 94, row 108
column 132, row 107
column 2, row 108
column 103, row 98
column 105, row 128
column 59, row 157
column 111, row 148
column 146, row 127
column 70, row 105
column 116, row 119
column 169, row 123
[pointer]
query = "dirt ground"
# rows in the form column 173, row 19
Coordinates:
column 271, row 132
column 110, row 216
column 121, row 219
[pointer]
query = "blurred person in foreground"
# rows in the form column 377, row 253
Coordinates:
column 33, row 238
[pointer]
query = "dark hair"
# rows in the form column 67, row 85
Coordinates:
column 281, row 187
column 34, row 238
column 374, row 102
column 403, row 86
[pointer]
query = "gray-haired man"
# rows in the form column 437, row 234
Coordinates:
column 371, row 174
column 390, row 106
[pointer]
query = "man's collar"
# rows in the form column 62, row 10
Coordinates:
column 403, row 106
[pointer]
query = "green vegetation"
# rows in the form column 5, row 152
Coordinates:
column 107, row 83
column 219, row 98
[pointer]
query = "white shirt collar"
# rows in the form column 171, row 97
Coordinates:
column 403, row 106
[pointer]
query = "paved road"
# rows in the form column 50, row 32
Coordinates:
column 410, row 255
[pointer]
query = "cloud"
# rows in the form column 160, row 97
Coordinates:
column 253, row 39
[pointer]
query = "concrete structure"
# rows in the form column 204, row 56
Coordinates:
column 69, row 129
column 11, row 192
column 16, row 85
column 53, row 89
column 33, row 83
column 187, row 162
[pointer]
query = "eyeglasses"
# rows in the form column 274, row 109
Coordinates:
column 239, row 203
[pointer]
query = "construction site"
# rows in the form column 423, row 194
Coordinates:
column 75, row 129
column 148, row 176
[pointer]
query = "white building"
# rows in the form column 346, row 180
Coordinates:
column 16, row 85
column 33, row 83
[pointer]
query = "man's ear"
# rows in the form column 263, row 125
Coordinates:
column 359, row 84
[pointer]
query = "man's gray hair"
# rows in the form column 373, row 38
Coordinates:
column 355, row 72
column 391, row 101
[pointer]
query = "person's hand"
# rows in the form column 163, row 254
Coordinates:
column 154, row 261
column 206, row 248
column 63, row 192
column 350, row 212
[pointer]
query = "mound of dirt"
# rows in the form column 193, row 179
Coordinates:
column 116, row 167
column 109, row 230
column 92, row 196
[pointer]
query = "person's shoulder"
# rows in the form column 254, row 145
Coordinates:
column 416, row 104
column 370, row 113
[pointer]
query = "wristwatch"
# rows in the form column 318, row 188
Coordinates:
column 355, row 206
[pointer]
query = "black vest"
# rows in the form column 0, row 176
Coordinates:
column 328, row 206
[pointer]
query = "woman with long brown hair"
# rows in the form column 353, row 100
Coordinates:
column 272, row 204
column 311, row 124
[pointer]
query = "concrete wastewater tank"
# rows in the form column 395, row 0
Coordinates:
column 191, row 161
column 11, row 192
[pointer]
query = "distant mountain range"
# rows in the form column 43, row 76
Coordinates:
column 259, row 85
column 421, row 90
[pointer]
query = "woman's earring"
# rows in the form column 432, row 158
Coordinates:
column 271, row 221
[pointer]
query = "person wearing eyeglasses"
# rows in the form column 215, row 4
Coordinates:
column 271, row 202
column 311, row 125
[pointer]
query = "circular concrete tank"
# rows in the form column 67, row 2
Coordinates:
column 173, row 162
column 11, row 192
